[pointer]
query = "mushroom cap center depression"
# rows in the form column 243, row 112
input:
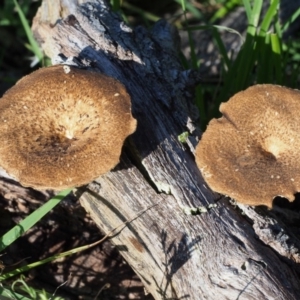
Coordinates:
column 274, row 146
column 60, row 129
column 66, row 127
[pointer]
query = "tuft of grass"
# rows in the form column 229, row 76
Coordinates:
column 19, row 290
column 19, row 52
column 263, row 58
column 16, row 232
column 33, row 45
column 31, row 220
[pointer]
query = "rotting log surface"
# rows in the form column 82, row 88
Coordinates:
column 222, row 254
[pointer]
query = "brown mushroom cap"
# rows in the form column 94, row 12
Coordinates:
column 252, row 153
column 62, row 127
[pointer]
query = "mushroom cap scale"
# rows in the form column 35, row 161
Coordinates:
column 251, row 153
column 62, row 127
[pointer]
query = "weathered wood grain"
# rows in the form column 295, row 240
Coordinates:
column 221, row 254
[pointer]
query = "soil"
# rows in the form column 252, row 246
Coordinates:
column 96, row 273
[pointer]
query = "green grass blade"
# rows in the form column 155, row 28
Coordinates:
column 227, row 7
column 6, row 293
column 194, row 58
column 294, row 76
column 48, row 259
column 184, row 61
column 248, row 9
column 28, row 267
column 269, row 18
column 183, row 6
column 276, row 50
column 264, row 63
column 186, row 6
column 35, row 47
column 255, row 15
column 115, row 4
column 32, row 219
column 144, row 14
column 205, row 27
column 201, row 107
column 245, row 63
column 278, row 27
column 246, row 56
column 222, row 49
column 291, row 19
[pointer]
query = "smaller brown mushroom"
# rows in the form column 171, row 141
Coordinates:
column 62, row 127
column 252, row 153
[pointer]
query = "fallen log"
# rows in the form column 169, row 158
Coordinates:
column 229, row 252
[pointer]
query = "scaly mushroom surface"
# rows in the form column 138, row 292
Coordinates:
column 252, row 153
column 62, row 127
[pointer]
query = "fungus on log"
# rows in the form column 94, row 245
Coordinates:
column 217, row 255
column 251, row 152
column 55, row 122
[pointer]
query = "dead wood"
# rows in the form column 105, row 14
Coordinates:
column 226, row 253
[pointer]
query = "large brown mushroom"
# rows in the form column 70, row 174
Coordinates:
column 252, row 152
column 62, row 127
